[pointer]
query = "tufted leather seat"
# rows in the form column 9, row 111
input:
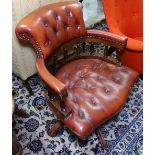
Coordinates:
column 86, row 89
column 96, row 91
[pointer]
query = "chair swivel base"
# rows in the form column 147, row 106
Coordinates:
column 54, row 129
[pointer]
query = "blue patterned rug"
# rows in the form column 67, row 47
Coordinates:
column 123, row 133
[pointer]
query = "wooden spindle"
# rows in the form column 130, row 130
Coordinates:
column 92, row 50
column 106, row 51
column 83, row 46
column 118, row 55
column 77, row 49
column 65, row 54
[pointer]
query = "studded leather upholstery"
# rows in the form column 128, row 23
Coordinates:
column 52, row 25
column 96, row 91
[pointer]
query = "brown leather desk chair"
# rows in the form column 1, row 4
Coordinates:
column 86, row 87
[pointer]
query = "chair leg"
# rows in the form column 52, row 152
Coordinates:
column 27, row 85
column 16, row 146
column 21, row 113
column 52, row 131
column 101, row 139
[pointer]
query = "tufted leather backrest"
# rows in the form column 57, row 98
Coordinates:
column 48, row 27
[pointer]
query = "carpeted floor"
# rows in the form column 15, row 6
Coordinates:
column 123, row 133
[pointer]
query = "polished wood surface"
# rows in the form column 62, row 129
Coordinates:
column 55, row 127
column 16, row 146
column 101, row 138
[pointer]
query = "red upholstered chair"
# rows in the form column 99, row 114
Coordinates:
column 126, row 18
column 85, row 88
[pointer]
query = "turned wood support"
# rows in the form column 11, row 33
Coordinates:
column 101, row 138
column 77, row 49
column 27, row 85
column 16, row 146
column 83, row 46
column 115, row 45
column 57, row 101
column 20, row 112
column 17, row 111
column 106, row 51
column 92, row 49
column 55, row 127
column 118, row 55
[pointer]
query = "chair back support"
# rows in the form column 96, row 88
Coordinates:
column 48, row 27
column 125, row 14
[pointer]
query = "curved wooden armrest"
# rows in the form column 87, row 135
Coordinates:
column 133, row 44
column 49, row 79
column 58, row 87
column 117, row 43
column 109, row 35
column 115, row 38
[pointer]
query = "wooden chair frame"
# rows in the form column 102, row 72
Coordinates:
column 78, row 45
column 57, row 100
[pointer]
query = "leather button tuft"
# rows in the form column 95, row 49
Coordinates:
column 78, row 25
column 65, row 26
column 45, row 23
column 94, row 67
column 117, row 79
column 124, row 69
column 75, row 99
column 84, row 73
column 100, row 77
column 48, row 42
column 80, row 113
column 55, row 31
column 56, row 17
column 106, row 90
column 93, row 102
column 68, row 12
